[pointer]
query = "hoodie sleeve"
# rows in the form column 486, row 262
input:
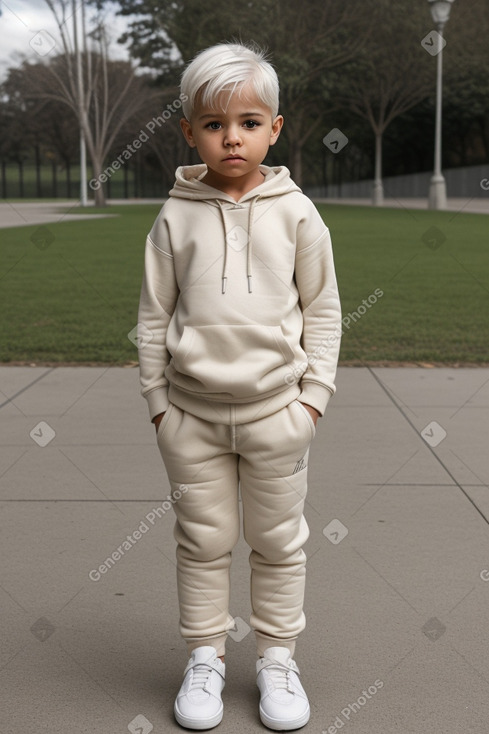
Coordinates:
column 320, row 302
column 159, row 293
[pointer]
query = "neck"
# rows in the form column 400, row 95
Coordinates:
column 235, row 188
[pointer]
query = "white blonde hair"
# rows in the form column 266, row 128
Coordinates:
column 228, row 67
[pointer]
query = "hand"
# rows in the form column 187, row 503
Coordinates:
column 157, row 420
column 312, row 412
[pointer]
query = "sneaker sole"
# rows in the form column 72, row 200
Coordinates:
column 199, row 724
column 281, row 724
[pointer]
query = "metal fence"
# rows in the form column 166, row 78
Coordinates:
column 29, row 180
column 469, row 181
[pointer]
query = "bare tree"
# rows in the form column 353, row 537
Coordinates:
column 466, row 83
column 47, row 127
column 390, row 75
column 310, row 48
column 103, row 94
column 307, row 44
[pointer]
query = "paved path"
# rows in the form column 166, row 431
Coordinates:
column 472, row 206
column 23, row 214
column 397, row 600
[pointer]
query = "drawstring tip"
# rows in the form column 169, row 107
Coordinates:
column 249, row 283
column 224, row 280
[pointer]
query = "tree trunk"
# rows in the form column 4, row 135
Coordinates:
column 4, row 180
column 21, row 179
column 295, row 161
column 99, row 197
column 484, row 126
column 54, row 179
column 99, row 193
column 378, row 188
column 68, row 178
column 38, row 171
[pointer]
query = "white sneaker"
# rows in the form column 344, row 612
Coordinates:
column 283, row 702
column 198, row 704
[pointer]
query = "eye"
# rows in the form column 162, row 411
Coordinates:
column 213, row 125
column 250, row 124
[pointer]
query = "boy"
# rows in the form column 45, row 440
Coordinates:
column 240, row 322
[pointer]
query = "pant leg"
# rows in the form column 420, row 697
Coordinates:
column 273, row 475
column 196, row 454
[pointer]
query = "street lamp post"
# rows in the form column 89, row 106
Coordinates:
column 440, row 12
column 80, row 98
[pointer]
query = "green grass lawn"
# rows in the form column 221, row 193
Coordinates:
column 69, row 292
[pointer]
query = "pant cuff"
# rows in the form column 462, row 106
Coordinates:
column 219, row 642
column 263, row 641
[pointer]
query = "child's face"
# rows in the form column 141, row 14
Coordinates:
column 232, row 143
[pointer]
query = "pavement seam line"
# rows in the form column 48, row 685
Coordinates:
column 384, row 484
column 10, row 400
column 385, row 580
column 89, row 675
column 481, row 481
column 430, row 448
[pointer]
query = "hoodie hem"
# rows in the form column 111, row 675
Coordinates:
column 232, row 413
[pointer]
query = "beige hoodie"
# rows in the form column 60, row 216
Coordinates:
column 239, row 312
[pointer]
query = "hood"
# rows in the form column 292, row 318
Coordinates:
column 189, row 185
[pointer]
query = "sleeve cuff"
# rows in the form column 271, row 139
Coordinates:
column 316, row 395
column 157, row 401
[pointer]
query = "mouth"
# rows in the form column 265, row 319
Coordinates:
column 234, row 158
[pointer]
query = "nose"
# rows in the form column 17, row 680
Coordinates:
column 232, row 137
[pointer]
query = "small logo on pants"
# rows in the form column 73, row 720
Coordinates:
column 301, row 464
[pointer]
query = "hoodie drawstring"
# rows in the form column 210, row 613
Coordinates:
column 250, row 242
column 249, row 246
column 225, row 259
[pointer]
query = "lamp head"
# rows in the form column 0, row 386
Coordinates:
column 440, row 11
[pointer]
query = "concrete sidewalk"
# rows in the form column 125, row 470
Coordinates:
column 467, row 205
column 398, row 557
column 27, row 213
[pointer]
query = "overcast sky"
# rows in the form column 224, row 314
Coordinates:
column 27, row 29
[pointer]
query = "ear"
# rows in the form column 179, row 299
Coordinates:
column 276, row 128
column 187, row 132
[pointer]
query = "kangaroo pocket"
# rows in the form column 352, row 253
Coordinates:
column 231, row 362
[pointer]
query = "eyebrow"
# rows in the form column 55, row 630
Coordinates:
column 244, row 114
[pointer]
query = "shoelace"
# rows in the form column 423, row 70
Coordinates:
column 200, row 676
column 280, row 677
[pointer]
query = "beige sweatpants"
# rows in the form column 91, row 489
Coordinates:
column 268, row 459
